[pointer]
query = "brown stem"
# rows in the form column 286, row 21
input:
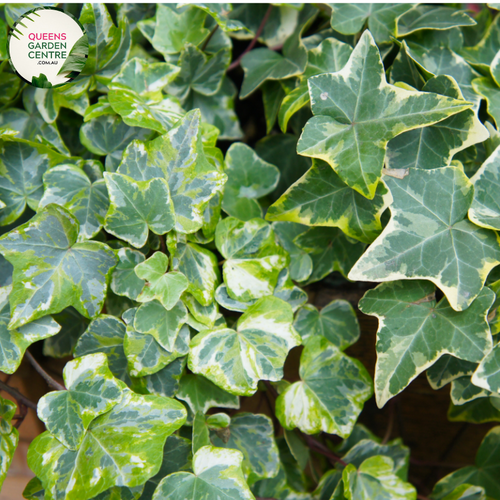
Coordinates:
column 163, row 245
column 251, row 45
column 323, row 450
column 20, row 418
column 209, row 37
column 390, row 424
column 21, row 400
column 50, row 381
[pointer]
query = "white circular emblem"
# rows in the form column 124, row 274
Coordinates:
column 48, row 47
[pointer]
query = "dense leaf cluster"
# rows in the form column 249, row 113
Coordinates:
column 148, row 240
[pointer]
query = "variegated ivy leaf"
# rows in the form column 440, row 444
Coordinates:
column 489, row 90
column 158, row 113
column 145, row 78
column 429, row 237
column 52, row 271
column 9, row 436
column 13, row 343
column 255, row 351
column 124, row 281
column 463, row 391
column 331, row 393
column 263, row 64
column 200, row 73
column 330, row 250
column 352, row 135
column 447, row 369
column 164, row 325
column 485, row 208
column 109, row 135
column 321, row 198
column 173, row 28
column 407, row 340
column 424, row 17
column 200, row 394
column 106, row 334
column 201, row 434
column 221, row 12
column 483, row 474
column 249, row 178
column 464, row 492
column 300, row 262
column 82, row 191
column 375, row 478
column 101, row 461
column 253, row 258
column 164, row 382
column 487, row 373
column 253, row 435
column 336, row 322
column 435, row 146
column 349, row 19
column 481, row 410
column 205, row 315
column 484, row 52
column 137, row 207
column 216, row 474
column 329, row 56
column 91, row 391
column 200, row 267
column 22, row 165
column 178, row 157
column 144, row 354
column 165, row 287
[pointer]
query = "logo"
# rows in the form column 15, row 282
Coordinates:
column 48, row 47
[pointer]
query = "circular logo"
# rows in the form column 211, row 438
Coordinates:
column 48, row 47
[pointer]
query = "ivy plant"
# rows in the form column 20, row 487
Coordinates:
column 193, row 227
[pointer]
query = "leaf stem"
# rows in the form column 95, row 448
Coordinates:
column 50, row 381
column 209, row 37
column 163, row 245
column 21, row 400
column 390, row 424
column 251, row 45
column 323, row 450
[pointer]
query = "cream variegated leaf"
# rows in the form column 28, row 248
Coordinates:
column 355, row 117
column 9, row 437
column 236, row 360
column 429, row 237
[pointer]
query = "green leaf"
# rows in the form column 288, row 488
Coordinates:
column 164, row 325
column 424, row 17
column 102, row 461
column 336, row 322
column 375, row 478
column 330, row 394
column 480, row 410
column 448, row 368
column 321, row 198
column 201, row 435
column 329, row 56
column 352, row 135
column 257, row 350
column 86, row 199
column 221, row 12
column 253, row 435
column 409, row 318
column 124, row 281
column 106, row 334
column 146, row 79
column 91, row 391
column 199, row 266
column 330, row 250
column 165, row 287
column 9, row 437
column 349, row 19
column 489, row 90
column 52, row 271
column 427, row 237
column 485, row 209
column 465, row 492
column 435, row 146
column 249, row 178
column 201, row 395
column 253, row 259
column 263, row 64
column 483, row 53
column 77, row 57
column 109, row 135
column 165, row 382
column 14, row 342
column 484, row 473
column 300, row 262
column 176, row 28
column 487, row 373
column 200, row 73
column 216, row 474
column 137, row 207
column 22, row 165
